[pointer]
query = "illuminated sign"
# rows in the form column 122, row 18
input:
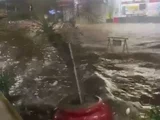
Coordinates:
column 153, row 9
column 52, row 12
column 132, row 9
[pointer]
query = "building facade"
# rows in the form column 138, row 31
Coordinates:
column 126, row 8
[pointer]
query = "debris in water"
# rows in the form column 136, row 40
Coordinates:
column 55, row 83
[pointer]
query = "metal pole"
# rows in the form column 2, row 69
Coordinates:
column 76, row 76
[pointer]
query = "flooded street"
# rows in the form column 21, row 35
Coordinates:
column 61, row 58
column 142, row 37
column 125, row 81
column 133, row 78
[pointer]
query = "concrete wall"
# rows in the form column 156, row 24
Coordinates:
column 136, row 19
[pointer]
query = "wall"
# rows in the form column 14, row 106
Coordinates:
column 139, row 19
column 153, row 9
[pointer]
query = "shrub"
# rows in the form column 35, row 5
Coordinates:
column 5, row 84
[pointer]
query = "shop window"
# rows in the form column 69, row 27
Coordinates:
column 142, row 6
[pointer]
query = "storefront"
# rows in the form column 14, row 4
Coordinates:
column 133, row 7
column 153, row 9
column 140, row 8
column 138, row 11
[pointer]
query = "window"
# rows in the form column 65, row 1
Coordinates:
column 142, row 6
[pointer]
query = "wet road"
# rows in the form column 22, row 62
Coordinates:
column 140, row 35
column 126, row 81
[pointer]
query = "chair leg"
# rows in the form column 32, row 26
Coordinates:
column 109, row 46
column 125, row 47
column 123, row 51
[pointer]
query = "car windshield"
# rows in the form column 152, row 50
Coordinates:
column 80, row 59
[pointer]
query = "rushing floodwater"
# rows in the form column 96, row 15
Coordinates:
column 138, row 34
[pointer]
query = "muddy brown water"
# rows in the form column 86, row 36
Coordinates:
column 45, row 112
